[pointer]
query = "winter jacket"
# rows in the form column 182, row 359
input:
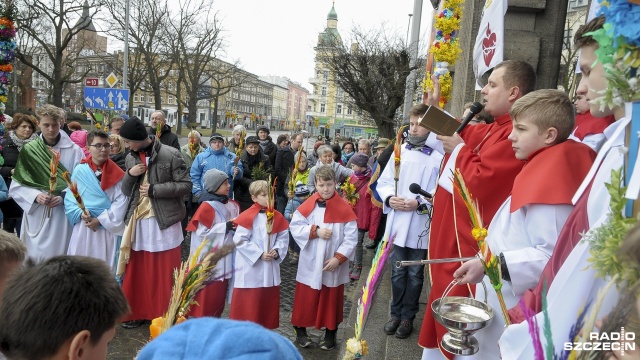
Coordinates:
column 270, row 149
column 168, row 183
column 292, row 206
column 119, row 159
column 241, row 186
column 342, row 173
column 10, row 154
column 222, row 160
column 367, row 213
column 79, row 137
column 284, row 164
column 166, row 136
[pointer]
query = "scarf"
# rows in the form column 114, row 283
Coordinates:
column 93, row 196
column 20, row 142
column 417, row 140
column 110, row 172
column 264, row 143
column 346, row 157
column 363, row 175
column 32, row 168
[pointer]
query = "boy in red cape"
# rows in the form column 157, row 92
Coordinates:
column 256, row 287
column 325, row 228
column 214, row 222
column 524, row 231
column 485, row 158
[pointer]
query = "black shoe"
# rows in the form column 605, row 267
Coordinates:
column 132, row 324
column 391, row 326
column 372, row 245
column 329, row 340
column 405, row 329
column 302, row 338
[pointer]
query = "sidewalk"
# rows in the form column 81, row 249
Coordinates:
column 381, row 345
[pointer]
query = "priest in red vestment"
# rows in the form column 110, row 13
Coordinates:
column 485, row 158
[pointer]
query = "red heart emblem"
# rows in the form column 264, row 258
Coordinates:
column 489, row 45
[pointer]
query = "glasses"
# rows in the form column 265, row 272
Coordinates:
column 102, row 146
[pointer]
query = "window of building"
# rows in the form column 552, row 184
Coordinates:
column 339, row 92
column 324, row 91
column 321, row 108
column 150, row 99
column 349, row 110
column 136, row 98
column 170, row 100
column 339, row 109
column 325, row 75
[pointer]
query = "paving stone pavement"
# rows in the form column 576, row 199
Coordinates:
column 128, row 342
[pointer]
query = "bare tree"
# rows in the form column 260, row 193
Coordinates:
column 149, row 32
column 49, row 43
column 372, row 69
column 224, row 78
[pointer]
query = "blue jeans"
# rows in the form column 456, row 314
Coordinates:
column 406, row 282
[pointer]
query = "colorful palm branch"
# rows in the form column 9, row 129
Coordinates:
column 53, row 175
column 397, row 150
column 479, row 233
column 356, row 346
column 192, row 145
column 240, row 147
column 73, row 186
column 294, row 174
column 188, row 280
column 271, row 204
column 158, row 129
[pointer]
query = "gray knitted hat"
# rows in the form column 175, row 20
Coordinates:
column 213, row 179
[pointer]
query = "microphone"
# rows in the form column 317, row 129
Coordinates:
column 416, row 189
column 475, row 108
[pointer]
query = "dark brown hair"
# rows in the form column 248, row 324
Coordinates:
column 581, row 39
column 46, row 305
column 19, row 118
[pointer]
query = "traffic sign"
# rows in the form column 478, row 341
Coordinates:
column 92, row 82
column 112, row 79
column 106, row 98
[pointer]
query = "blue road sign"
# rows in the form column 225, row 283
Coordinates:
column 106, row 98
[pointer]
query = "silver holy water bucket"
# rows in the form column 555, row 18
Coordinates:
column 462, row 316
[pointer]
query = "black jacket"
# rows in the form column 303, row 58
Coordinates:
column 241, row 186
column 284, row 165
column 270, row 150
column 167, row 137
column 10, row 154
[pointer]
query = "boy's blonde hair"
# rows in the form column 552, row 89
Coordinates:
column 258, row 187
column 11, row 249
column 547, row 108
column 325, row 173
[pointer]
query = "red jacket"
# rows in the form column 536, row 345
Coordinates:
column 368, row 214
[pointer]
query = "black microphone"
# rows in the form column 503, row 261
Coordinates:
column 475, row 108
column 416, row 189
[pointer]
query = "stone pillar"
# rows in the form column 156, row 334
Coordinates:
column 534, row 30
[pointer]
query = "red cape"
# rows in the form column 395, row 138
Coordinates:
column 341, row 212
column 111, row 172
column 552, row 175
column 246, row 219
column 489, row 166
column 205, row 215
column 587, row 124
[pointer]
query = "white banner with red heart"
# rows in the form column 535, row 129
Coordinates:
column 488, row 50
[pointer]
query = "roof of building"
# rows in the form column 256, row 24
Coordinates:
column 85, row 20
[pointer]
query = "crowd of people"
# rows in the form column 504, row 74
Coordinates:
column 539, row 172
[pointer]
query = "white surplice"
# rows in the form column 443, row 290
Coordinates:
column 217, row 236
column 415, row 167
column 526, row 237
column 251, row 272
column 101, row 244
column 46, row 237
column 575, row 284
column 313, row 253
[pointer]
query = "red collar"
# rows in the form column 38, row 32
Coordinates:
column 111, row 172
column 538, row 182
column 246, row 219
column 341, row 211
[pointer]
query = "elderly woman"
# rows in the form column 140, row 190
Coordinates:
column 326, row 158
column 21, row 131
column 118, row 152
column 235, row 142
column 252, row 157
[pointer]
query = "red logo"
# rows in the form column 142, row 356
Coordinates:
column 489, row 45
